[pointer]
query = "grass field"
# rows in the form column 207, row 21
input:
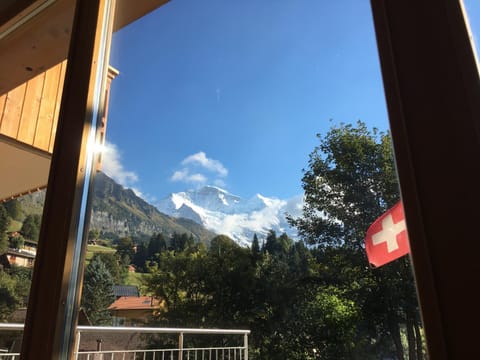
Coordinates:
column 138, row 279
column 92, row 249
column 14, row 225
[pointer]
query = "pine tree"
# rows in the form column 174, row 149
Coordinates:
column 156, row 245
column 255, row 248
column 97, row 293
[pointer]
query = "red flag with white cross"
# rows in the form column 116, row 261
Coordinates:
column 387, row 237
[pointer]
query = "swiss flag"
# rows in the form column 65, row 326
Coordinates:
column 387, row 238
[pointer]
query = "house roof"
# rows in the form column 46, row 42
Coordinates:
column 20, row 253
column 125, row 290
column 135, row 303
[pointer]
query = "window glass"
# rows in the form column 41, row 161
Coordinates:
column 218, row 204
column 473, row 15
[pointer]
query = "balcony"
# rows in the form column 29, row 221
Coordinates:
column 146, row 343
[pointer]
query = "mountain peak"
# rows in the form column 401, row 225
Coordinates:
column 228, row 214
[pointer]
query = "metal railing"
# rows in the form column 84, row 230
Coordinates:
column 184, row 350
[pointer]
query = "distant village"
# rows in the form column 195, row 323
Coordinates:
column 128, row 309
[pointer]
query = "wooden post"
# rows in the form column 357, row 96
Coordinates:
column 180, row 346
column 245, row 345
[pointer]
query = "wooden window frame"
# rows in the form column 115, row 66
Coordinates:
column 432, row 88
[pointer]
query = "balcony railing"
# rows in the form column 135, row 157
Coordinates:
column 107, row 343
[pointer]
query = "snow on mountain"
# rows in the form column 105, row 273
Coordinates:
column 224, row 213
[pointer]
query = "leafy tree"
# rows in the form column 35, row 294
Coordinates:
column 97, row 293
column 14, row 290
column 31, row 226
column 349, row 182
column 93, row 234
column 4, row 224
column 9, row 299
column 125, row 250
column 16, row 242
column 23, row 280
column 14, row 209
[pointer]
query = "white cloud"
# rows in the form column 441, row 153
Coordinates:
column 185, row 176
column 202, row 160
column 200, row 170
column 220, row 183
column 294, row 206
column 113, row 167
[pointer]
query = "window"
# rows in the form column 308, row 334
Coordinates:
column 418, row 164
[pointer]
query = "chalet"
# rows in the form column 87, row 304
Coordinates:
column 131, row 311
column 17, row 257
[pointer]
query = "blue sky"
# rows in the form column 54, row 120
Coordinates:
column 232, row 93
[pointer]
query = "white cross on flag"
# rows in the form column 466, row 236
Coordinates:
column 387, row 237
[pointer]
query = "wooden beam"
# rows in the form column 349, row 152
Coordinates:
column 432, row 87
column 13, row 10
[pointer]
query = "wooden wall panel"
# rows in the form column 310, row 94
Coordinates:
column 3, row 98
column 13, row 111
column 29, row 118
column 29, row 113
column 63, row 67
column 47, row 108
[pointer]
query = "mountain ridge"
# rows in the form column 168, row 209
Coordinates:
column 119, row 210
column 228, row 214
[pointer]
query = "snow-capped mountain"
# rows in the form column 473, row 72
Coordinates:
column 224, row 213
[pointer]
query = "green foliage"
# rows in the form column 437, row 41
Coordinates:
column 93, row 234
column 255, row 248
column 8, row 297
column 156, row 245
column 31, row 227
column 349, row 182
column 97, row 294
column 125, row 250
column 112, row 264
column 280, row 297
column 16, row 242
column 14, row 290
column 179, row 242
column 14, row 209
column 4, row 223
column 23, row 280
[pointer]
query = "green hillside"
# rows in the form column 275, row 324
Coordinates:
column 118, row 212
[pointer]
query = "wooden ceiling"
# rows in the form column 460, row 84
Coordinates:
column 23, row 168
column 42, row 41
